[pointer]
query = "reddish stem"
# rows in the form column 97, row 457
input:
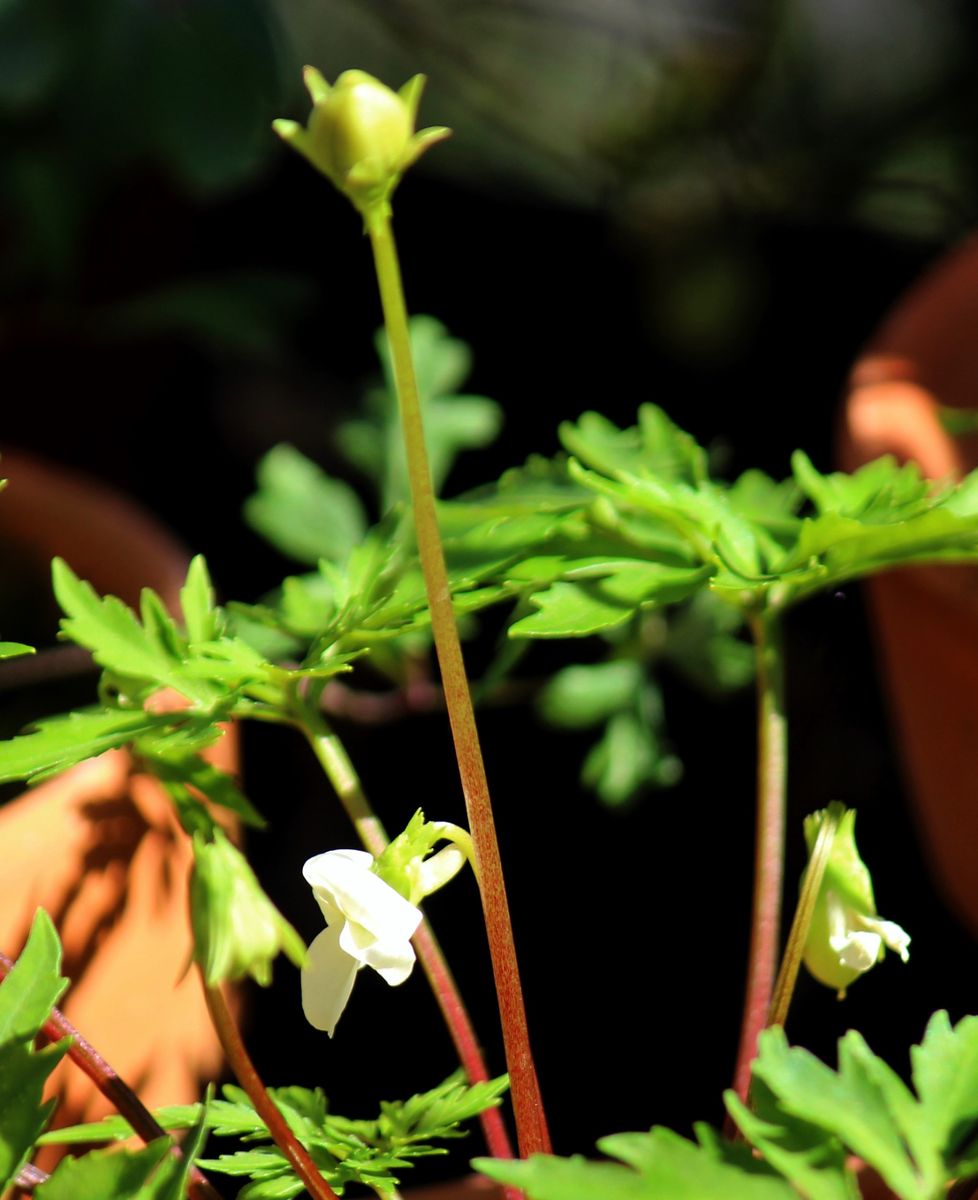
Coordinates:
column 265, row 1107
column 114, row 1088
column 769, row 856
column 531, row 1123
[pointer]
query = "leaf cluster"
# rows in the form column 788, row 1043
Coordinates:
column 805, row 1124
column 371, row 1152
column 27, row 995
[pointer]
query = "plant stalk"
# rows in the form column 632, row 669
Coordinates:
column 784, row 987
column 335, row 761
column 531, row 1125
column 114, row 1088
column 772, row 776
column 265, row 1107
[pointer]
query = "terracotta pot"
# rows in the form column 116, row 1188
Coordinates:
column 924, row 356
column 98, row 846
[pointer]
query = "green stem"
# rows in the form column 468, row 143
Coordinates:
column 531, row 1124
column 342, row 774
column 772, row 734
column 265, row 1107
column 791, row 962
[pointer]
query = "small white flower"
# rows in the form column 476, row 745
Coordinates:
column 368, row 924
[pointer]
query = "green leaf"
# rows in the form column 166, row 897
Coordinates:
column 105, row 1174
column 861, row 1104
column 23, row 1075
column 15, row 649
column 580, row 696
column 216, row 785
column 663, row 1166
column 153, row 651
column 34, row 983
column 631, row 754
column 945, row 1075
column 813, row 1160
column 453, row 423
column 197, row 603
column 59, row 742
column 302, row 511
column 576, row 609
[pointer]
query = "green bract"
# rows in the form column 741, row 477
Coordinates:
column 360, row 134
column 846, row 937
column 237, row 929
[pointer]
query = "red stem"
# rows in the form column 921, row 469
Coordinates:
column 531, row 1124
column 769, row 855
column 114, row 1088
column 265, row 1107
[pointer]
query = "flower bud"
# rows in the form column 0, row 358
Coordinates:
column 846, row 937
column 361, row 135
column 237, row 930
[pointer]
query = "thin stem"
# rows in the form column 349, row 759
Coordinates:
column 531, row 1123
column 772, row 760
column 346, row 782
column 265, row 1107
column 814, row 874
column 115, row 1089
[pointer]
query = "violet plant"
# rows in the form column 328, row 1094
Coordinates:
column 622, row 528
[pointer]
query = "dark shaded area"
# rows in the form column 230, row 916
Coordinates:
column 190, row 322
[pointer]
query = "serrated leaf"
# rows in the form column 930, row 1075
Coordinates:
column 216, row 785
column 812, row 1159
column 59, row 742
column 34, row 983
column 664, row 1167
column 856, row 1104
column 580, row 696
column 197, row 603
column 23, row 1116
column 302, row 511
column 170, row 1180
column 945, row 1075
column 580, row 608
column 104, row 1174
column 116, row 639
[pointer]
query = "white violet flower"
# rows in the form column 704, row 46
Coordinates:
column 368, row 924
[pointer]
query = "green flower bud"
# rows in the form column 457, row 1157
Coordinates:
column 846, row 937
column 360, row 134
column 237, row 930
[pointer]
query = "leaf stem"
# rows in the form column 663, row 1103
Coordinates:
column 265, row 1107
column 772, row 762
column 342, row 774
column 114, row 1088
column 531, row 1124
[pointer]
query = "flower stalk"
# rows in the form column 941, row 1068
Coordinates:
column 798, row 934
column 532, row 1133
column 265, row 1107
column 772, row 778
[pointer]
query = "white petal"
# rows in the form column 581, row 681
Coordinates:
column 392, row 958
column 327, row 980
column 858, row 951
column 893, row 935
column 342, row 878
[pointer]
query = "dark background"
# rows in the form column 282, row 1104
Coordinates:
column 705, row 206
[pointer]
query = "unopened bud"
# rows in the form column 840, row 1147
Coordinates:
column 237, row 930
column 360, row 134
